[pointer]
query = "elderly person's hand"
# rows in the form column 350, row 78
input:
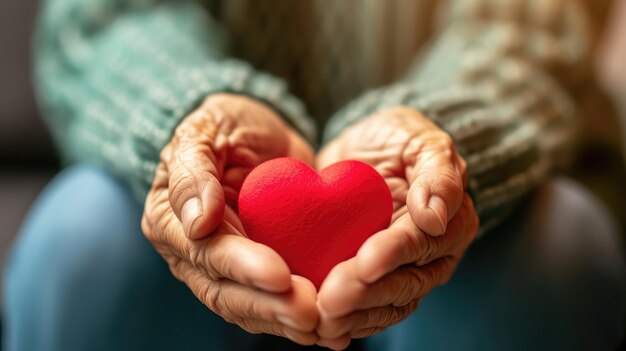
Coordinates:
column 434, row 222
column 190, row 218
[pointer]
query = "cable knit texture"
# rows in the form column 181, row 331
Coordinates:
column 490, row 80
column 116, row 77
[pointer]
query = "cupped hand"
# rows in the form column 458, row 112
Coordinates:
column 433, row 223
column 190, row 218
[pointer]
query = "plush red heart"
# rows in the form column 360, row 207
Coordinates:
column 314, row 221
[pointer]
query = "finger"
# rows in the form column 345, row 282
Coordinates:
column 242, row 260
column 364, row 333
column 342, row 293
column 404, row 243
column 378, row 317
column 339, row 343
column 436, row 179
column 297, row 336
column 227, row 254
column 235, row 303
column 195, row 192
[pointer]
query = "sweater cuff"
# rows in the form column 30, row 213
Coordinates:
column 186, row 88
column 167, row 88
column 116, row 78
column 505, row 135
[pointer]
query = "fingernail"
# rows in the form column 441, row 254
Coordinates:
column 288, row 321
column 438, row 206
column 192, row 210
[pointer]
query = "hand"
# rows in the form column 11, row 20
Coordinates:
column 434, row 222
column 190, row 218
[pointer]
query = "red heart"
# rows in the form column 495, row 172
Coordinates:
column 314, row 221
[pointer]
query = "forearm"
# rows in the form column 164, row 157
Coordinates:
column 495, row 82
column 115, row 78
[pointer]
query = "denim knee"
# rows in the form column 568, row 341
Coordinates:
column 551, row 277
column 75, row 225
column 73, row 252
column 83, row 277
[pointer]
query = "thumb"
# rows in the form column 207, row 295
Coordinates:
column 436, row 174
column 195, row 193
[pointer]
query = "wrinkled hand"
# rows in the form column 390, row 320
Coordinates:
column 434, row 222
column 190, row 218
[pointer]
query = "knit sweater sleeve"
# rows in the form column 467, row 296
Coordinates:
column 495, row 79
column 115, row 77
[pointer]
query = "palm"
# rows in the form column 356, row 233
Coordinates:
column 380, row 143
column 190, row 217
column 231, row 139
column 236, row 137
column 396, row 267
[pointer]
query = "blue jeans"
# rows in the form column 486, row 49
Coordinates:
column 83, row 277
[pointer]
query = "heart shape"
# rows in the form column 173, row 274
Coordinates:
column 314, row 221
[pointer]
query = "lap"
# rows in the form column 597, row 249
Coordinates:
column 82, row 275
column 551, row 277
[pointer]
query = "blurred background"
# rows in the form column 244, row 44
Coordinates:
column 28, row 160
column 27, row 157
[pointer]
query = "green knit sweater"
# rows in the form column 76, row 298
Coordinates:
column 116, row 77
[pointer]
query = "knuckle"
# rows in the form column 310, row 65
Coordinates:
column 212, row 298
column 429, row 252
column 434, row 275
column 420, row 246
column 255, row 309
column 384, row 317
column 409, row 288
column 446, row 141
column 413, row 150
column 439, row 140
column 414, row 286
column 194, row 255
column 199, row 257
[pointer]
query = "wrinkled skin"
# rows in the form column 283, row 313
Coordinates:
column 433, row 223
column 190, row 218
